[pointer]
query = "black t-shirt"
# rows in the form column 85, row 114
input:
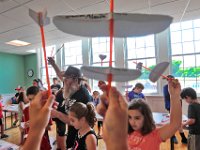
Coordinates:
column 60, row 99
column 82, row 95
column 56, row 86
column 194, row 113
column 80, row 141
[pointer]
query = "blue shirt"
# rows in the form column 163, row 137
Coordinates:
column 166, row 97
column 132, row 95
column 96, row 102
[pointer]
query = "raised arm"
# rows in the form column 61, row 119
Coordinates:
column 55, row 67
column 175, row 111
column 115, row 128
column 39, row 118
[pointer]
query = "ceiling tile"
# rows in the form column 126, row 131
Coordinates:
column 6, row 5
column 194, row 5
column 7, row 24
column 169, row 8
column 95, row 8
column 19, row 14
column 53, row 7
column 129, row 5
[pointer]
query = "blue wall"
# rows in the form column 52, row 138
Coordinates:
column 13, row 71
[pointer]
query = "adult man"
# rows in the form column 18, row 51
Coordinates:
column 73, row 91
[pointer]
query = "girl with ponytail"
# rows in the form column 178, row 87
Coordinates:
column 83, row 118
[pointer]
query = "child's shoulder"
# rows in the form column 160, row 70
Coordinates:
column 195, row 105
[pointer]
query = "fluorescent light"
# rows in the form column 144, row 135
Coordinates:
column 31, row 51
column 18, row 43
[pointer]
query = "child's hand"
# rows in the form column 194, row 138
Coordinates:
column 104, row 101
column 26, row 125
column 45, row 98
column 40, row 114
column 174, row 87
column 116, row 119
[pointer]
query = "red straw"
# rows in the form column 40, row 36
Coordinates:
column 151, row 70
column 45, row 56
column 111, row 27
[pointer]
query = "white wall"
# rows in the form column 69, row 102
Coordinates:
column 156, row 104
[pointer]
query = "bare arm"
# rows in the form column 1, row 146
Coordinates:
column 91, row 142
column 168, row 130
column 55, row 67
column 61, row 116
column 39, row 118
column 21, row 106
column 190, row 121
column 116, row 122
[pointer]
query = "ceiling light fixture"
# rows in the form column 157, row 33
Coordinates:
column 18, row 43
column 31, row 51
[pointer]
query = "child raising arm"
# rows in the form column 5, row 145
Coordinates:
column 142, row 129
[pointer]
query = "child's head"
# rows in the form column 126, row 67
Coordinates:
column 37, row 83
column 139, row 113
column 80, row 113
column 138, row 88
column 55, row 80
column 31, row 92
column 95, row 94
column 21, row 97
column 16, row 95
column 189, row 94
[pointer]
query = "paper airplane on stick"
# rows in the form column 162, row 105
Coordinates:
column 125, row 25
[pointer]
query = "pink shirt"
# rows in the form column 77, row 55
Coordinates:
column 150, row 141
column 1, row 111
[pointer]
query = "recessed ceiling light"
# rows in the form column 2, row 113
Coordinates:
column 18, row 43
column 31, row 51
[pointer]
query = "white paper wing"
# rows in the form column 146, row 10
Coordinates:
column 118, row 74
column 125, row 25
column 157, row 71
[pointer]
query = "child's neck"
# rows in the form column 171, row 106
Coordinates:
column 84, row 129
column 194, row 101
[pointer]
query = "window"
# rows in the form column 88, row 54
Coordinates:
column 101, row 46
column 50, row 51
column 73, row 53
column 185, row 49
column 142, row 49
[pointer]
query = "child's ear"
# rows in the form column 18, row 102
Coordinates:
column 83, row 119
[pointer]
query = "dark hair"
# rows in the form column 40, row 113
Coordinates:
column 17, row 94
column 145, row 110
column 55, row 78
column 139, row 85
column 97, row 92
column 39, row 82
column 190, row 92
column 87, row 111
column 21, row 97
column 32, row 90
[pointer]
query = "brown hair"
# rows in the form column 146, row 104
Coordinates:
column 87, row 111
column 139, row 85
column 145, row 110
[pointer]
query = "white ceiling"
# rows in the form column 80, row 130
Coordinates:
column 15, row 22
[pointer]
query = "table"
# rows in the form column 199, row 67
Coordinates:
column 162, row 119
column 13, row 108
column 8, row 146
